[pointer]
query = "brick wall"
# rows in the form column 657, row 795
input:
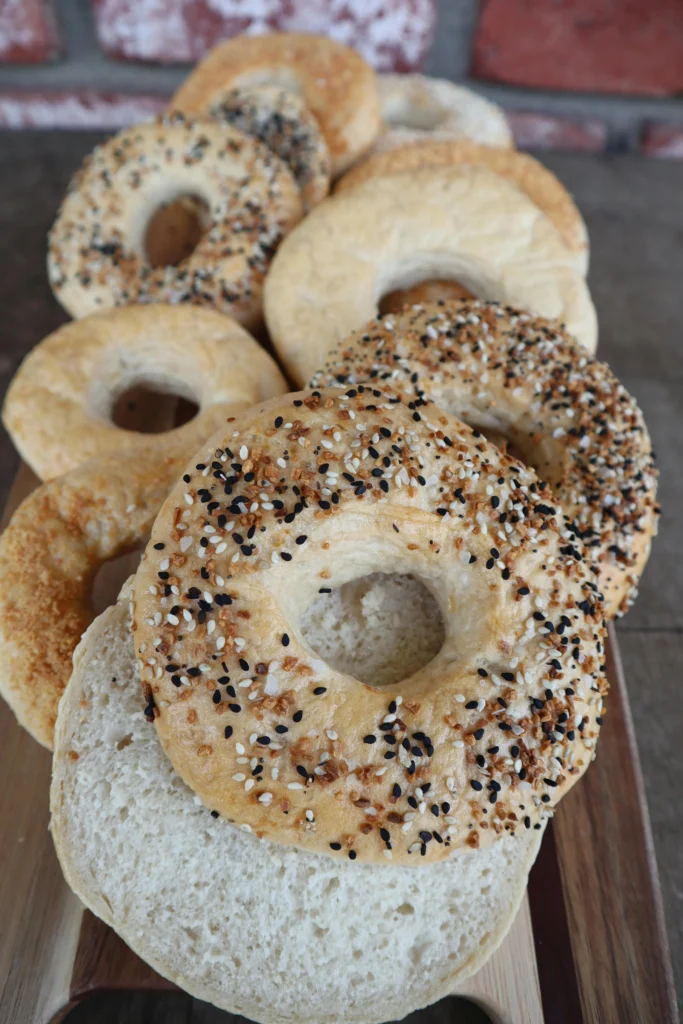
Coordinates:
column 584, row 75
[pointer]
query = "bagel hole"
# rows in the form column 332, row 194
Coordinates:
column 111, row 576
column 380, row 629
column 148, row 410
column 431, row 277
column 419, row 113
column 431, row 290
column 280, row 78
column 175, row 229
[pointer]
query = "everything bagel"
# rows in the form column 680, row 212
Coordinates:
column 58, row 409
column 337, row 85
column 300, row 496
column 97, row 256
column 282, row 121
column 50, row 552
column 566, row 414
column 460, row 222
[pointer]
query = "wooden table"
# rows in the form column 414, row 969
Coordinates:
column 636, row 222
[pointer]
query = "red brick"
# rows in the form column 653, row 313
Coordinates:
column 391, row 34
column 663, row 140
column 28, row 32
column 545, row 131
column 617, row 46
column 75, row 110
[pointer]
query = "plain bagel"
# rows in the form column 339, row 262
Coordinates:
column 50, row 552
column 283, row 122
column 337, row 85
column 419, row 107
column 311, row 491
column 465, row 223
column 58, row 409
column 566, row 414
column 97, row 257
column 203, row 915
column 530, row 176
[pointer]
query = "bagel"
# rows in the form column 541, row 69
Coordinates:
column 50, row 551
column 97, row 255
column 566, row 415
column 337, row 85
column 530, row 176
column 462, row 222
column 280, row 937
column 418, row 107
column 59, row 405
column 281, row 120
column 311, row 491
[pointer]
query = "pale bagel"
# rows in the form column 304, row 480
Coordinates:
column 530, row 176
column 50, row 551
column 337, row 85
column 58, row 407
column 565, row 414
column 302, row 495
column 97, row 257
column 419, row 107
column 259, row 929
column 283, row 122
column 461, row 222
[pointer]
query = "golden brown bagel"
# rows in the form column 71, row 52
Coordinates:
column 58, row 409
column 566, row 414
column 464, row 222
column 319, row 488
column 337, row 85
column 50, row 552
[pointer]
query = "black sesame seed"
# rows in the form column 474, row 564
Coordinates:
column 476, row 785
column 335, row 846
column 369, row 738
column 228, row 732
column 319, row 690
column 297, row 716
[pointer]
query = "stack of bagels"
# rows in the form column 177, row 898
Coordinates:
column 304, row 763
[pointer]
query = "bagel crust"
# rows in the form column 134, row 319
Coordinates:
column 50, row 552
column 463, row 222
column 58, row 407
column 337, row 85
column 282, row 121
column 504, row 371
column 528, row 174
column 298, row 497
column 97, row 253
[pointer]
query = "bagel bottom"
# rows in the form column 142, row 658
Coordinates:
column 262, row 930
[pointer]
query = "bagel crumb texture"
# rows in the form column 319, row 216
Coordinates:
column 97, row 254
column 565, row 412
column 295, row 498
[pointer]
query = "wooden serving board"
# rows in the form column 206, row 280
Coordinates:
column 588, row 945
